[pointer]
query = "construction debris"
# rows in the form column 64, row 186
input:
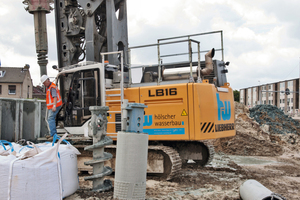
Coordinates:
column 278, row 122
column 261, row 131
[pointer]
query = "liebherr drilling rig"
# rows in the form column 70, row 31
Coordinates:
column 188, row 102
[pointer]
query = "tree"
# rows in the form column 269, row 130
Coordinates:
column 236, row 95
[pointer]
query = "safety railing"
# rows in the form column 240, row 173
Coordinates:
column 104, row 93
column 189, row 53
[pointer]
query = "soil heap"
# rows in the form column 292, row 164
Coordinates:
column 260, row 131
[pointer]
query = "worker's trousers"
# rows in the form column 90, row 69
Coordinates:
column 51, row 120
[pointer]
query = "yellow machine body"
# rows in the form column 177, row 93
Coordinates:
column 185, row 111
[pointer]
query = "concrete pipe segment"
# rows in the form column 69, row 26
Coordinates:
column 131, row 166
column 253, row 190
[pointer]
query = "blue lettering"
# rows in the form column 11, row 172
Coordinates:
column 224, row 111
column 147, row 120
column 220, row 106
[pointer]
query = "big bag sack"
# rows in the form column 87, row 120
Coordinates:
column 35, row 178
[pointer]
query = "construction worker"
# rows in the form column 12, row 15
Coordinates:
column 53, row 101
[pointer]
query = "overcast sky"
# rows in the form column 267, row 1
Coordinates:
column 261, row 37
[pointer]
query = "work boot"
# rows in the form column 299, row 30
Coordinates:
column 47, row 136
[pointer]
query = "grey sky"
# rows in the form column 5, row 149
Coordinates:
column 261, row 38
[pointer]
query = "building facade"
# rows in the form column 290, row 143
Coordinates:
column 283, row 94
column 15, row 82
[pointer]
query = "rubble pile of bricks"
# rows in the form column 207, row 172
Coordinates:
column 278, row 122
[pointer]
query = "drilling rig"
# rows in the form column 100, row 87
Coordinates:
column 189, row 102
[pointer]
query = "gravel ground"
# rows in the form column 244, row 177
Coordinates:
column 220, row 180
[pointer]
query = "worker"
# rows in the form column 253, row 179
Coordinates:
column 53, row 101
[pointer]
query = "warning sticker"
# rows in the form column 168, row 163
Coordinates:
column 183, row 113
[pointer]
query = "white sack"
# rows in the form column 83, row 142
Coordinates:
column 34, row 178
column 5, row 163
column 69, row 170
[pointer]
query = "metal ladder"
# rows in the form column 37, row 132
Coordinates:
column 104, row 89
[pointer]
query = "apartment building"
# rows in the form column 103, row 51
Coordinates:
column 283, row 94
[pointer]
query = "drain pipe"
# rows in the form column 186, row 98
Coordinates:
column 131, row 155
column 208, row 63
column 253, row 190
column 97, row 130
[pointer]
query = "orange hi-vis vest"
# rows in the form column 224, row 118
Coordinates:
column 50, row 99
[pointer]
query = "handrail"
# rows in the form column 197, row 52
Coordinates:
column 198, row 34
column 190, row 53
column 103, row 85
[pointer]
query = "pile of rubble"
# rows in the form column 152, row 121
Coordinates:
column 278, row 122
column 261, row 131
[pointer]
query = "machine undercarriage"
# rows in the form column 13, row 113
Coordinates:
column 164, row 160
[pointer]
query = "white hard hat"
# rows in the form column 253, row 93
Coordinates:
column 44, row 78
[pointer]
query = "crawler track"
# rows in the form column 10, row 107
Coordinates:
column 166, row 159
column 172, row 160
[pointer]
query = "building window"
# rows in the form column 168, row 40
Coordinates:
column 0, row 89
column 11, row 89
column 2, row 73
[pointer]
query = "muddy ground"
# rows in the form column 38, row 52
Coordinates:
column 272, row 158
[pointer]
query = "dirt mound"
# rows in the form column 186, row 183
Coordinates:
column 260, row 131
column 245, row 145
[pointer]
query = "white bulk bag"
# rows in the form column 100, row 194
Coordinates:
column 69, row 170
column 68, row 162
column 16, row 146
column 34, row 178
column 5, row 165
column 7, row 148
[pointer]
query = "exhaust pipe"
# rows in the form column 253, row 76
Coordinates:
column 185, row 72
column 208, row 63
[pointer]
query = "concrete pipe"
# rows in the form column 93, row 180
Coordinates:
column 253, row 190
column 131, row 166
